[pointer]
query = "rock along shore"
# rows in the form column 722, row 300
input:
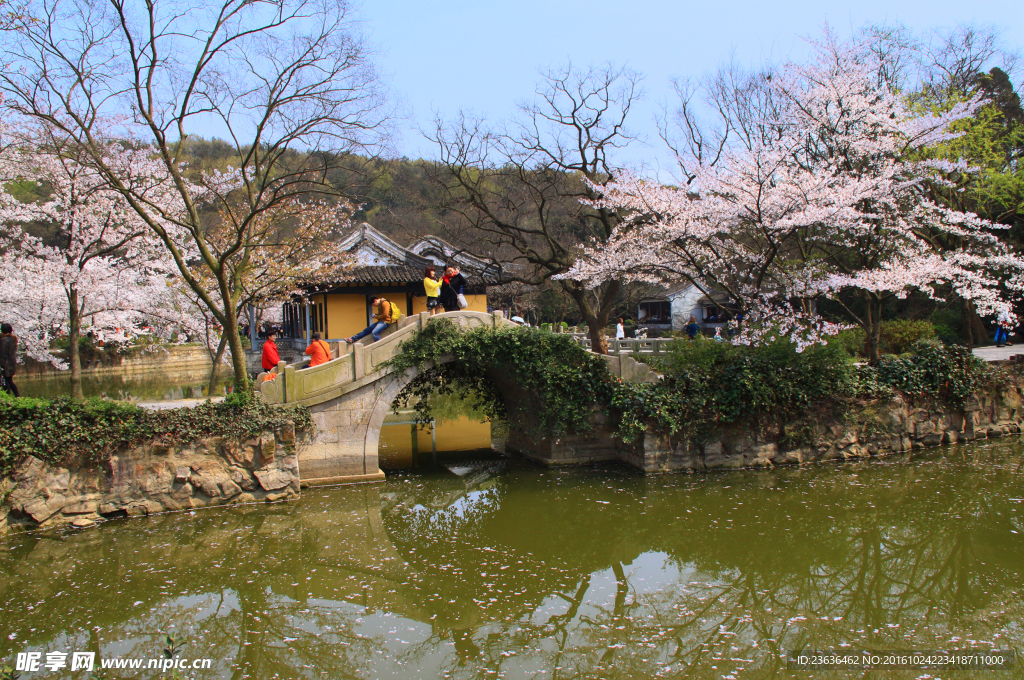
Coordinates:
column 157, row 477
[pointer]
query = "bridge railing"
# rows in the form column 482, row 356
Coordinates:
column 634, row 346
column 291, row 383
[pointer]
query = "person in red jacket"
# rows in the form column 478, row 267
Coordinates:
column 270, row 355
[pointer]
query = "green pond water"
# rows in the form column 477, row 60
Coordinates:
column 486, row 567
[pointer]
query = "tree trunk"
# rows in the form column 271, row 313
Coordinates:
column 241, row 370
column 966, row 314
column 74, row 332
column 214, row 377
column 598, row 340
column 981, row 334
column 596, row 321
column 873, row 327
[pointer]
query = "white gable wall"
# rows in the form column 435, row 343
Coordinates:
column 685, row 303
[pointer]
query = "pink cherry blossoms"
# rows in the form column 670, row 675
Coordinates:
column 93, row 266
column 830, row 203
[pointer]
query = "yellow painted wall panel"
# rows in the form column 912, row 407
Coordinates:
column 477, row 303
column 346, row 315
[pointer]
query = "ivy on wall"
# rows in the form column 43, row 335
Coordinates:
column 565, row 379
column 87, row 431
column 705, row 384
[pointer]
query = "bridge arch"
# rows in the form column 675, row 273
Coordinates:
column 351, row 395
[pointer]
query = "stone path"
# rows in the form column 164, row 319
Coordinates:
column 175, row 403
column 993, row 353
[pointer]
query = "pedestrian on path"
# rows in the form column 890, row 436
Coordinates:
column 385, row 316
column 319, row 351
column 270, row 355
column 620, row 331
column 432, row 285
column 1003, row 326
column 692, row 328
column 8, row 359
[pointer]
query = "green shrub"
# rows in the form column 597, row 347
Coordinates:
column 86, row 432
column 707, row 383
column 851, row 340
column 949, row 373
column 899, row 335
column 949, row 325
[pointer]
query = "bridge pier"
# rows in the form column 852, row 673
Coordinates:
column 339, row 452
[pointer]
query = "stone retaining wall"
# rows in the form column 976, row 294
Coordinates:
column 868, row 429
column 153, row 478
column 155, row 358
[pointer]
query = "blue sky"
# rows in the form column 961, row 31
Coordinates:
column 484, row 56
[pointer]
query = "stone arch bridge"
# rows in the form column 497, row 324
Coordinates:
column 350, row 396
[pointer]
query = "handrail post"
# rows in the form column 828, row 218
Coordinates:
column 291, row 387
column 281, row 376
column 358, row 369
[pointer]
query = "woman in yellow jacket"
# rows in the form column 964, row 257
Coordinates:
column 432, row 285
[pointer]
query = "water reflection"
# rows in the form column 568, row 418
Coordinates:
column 489, row 566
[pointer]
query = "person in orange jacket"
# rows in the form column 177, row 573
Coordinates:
column 319, row 351
column 270, row 355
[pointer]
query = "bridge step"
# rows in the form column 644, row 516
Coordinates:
column 377, row 476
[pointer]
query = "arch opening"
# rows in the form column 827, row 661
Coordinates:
column 440, row 419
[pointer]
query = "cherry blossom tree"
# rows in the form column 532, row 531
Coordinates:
column 289, row 83
column 32, row 300
column 299, row 248
column 826, row 198
column 93, row 247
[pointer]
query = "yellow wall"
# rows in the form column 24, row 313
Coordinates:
column 346, row 315
column 463, row 434
column 477, row 303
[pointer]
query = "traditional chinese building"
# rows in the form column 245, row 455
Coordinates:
column 340, row 309
column 671, row 310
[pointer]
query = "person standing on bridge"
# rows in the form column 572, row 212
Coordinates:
column 452, row 288
column 270, row 354
column 1003, row 328
column 319, row 351
column 385, row 316
column 432, row 285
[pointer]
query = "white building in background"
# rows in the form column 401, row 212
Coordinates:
column 672, row 310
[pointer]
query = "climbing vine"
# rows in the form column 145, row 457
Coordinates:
column 704, row 384
column 564, row 379
column 949, row 373
column 86, row 432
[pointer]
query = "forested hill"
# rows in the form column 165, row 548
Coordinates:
column 397, row 196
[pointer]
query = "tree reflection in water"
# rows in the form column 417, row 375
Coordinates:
column 557, row 574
